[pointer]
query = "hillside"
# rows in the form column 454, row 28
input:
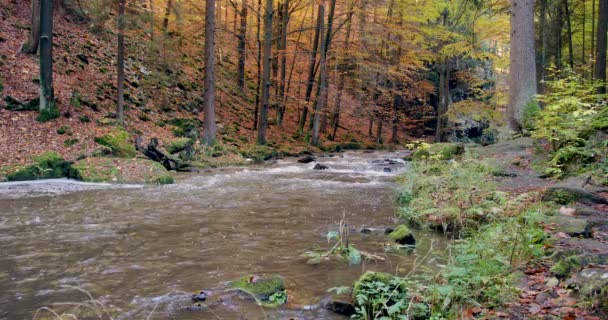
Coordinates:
column 84, row 83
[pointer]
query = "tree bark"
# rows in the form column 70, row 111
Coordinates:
column 522, row 76
column 335, row 120
column 120, row 63
column 323, row 74
column 209, row 83
column 263, row 122
column 283, row 71
column 47, row 97
column 241, row 47
column 569, row 25
column 600, row 62
column 325, row 82
column 259, row 64
column 31, row 46
column 311, row 69
column 166, row 18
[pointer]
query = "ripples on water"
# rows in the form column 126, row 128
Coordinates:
column 134, row 247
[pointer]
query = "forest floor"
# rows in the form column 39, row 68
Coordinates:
column 573, row 280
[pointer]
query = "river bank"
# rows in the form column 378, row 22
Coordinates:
column 526, row 246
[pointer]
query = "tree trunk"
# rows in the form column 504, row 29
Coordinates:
column 241, row 47
column 283, row 73
column 600, row 62
column 370, row 131
column 120, row 64
column 209, row 123
column 311, row 69
column 593, row 33
column 259, row 64
column 167, row 14
column 47, row 97
column 379, row 132
column 31, row 46
column 323, row 74
column 444, row 99
column 543, row 37
column 570, row 46
column 522, row 80
column 263, row 122
column 325, row 83
column 335, row 119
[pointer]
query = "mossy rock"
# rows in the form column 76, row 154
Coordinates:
column 106, row 122
column 403, row 235
column 568, row 195
column 120, row 143
column 451, row 151
column 260, row 153
column 564, row 267
column 106, row 169
column 49, row 165
column 179, row 144
column 268, row 291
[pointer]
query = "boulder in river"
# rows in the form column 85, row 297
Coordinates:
column 320, row 166
column 306, row 159
column 388, row 170
column 267, row 291
column 341, row 307
column 402, row 235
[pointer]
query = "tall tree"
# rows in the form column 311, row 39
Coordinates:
column 31, row 46
column 167, row 15
column 311, row 69
column 209, row 85
column 522, row 76
column 47, row 97
column 120, row 63
column 263, row 122
column 242, row 36
column 319, row 103
column 602, row 28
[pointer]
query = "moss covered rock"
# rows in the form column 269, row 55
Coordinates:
column 268, row 291
column 120, row 143
column 104, row 169
column 179, row 144
column 403, row 235
column 49, row 165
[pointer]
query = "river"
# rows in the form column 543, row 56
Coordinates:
column 141, row 250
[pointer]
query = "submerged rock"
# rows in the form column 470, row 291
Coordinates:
column 320, row 166
column 388, row 170
column 341, row 307
column 402, row 235
column 306, row 159
column 200, row 297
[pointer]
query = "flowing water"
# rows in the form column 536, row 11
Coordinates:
column 141, row 250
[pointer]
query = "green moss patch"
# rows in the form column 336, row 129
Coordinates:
column 120, row 143
column 179, row 144
column 104, row 169
column 403, row 235
column 49, row 165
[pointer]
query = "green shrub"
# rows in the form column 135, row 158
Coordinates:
column 70, row 142
column 573, row 112
column 120, row 142
column 64, row 129
column 380, row 296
